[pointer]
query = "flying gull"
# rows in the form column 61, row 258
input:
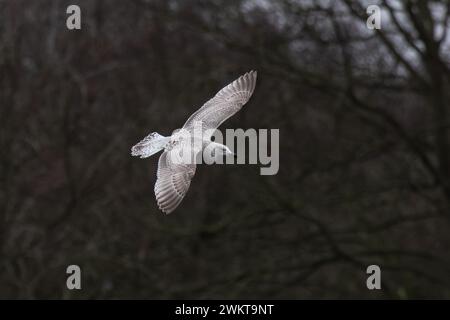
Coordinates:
column 173, row 176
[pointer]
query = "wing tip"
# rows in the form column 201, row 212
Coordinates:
column 165, row 211
column 168, row 208
column 166, row 200
column 253, row 73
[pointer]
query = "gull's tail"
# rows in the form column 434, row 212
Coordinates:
column 150, row 145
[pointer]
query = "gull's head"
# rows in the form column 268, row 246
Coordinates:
column 227, row 152
column 220, row 149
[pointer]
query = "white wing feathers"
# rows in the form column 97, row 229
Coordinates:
column 225, row 103
column 173, row 180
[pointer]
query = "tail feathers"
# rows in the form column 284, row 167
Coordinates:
column 150, row 145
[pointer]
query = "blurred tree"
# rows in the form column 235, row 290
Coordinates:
column 364, row 175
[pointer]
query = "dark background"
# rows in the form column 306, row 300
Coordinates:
column 364, row 149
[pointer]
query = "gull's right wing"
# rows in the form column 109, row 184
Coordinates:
column 225, row 103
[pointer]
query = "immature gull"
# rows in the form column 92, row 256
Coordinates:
column 174, row 176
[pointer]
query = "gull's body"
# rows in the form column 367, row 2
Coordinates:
column 174, row 177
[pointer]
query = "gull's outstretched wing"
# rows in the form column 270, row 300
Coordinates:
column 173, row 180
column 225, row 103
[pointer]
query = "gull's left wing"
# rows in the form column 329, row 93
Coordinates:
column 173, row 181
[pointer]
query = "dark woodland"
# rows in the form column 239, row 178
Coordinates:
column 364, row 174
